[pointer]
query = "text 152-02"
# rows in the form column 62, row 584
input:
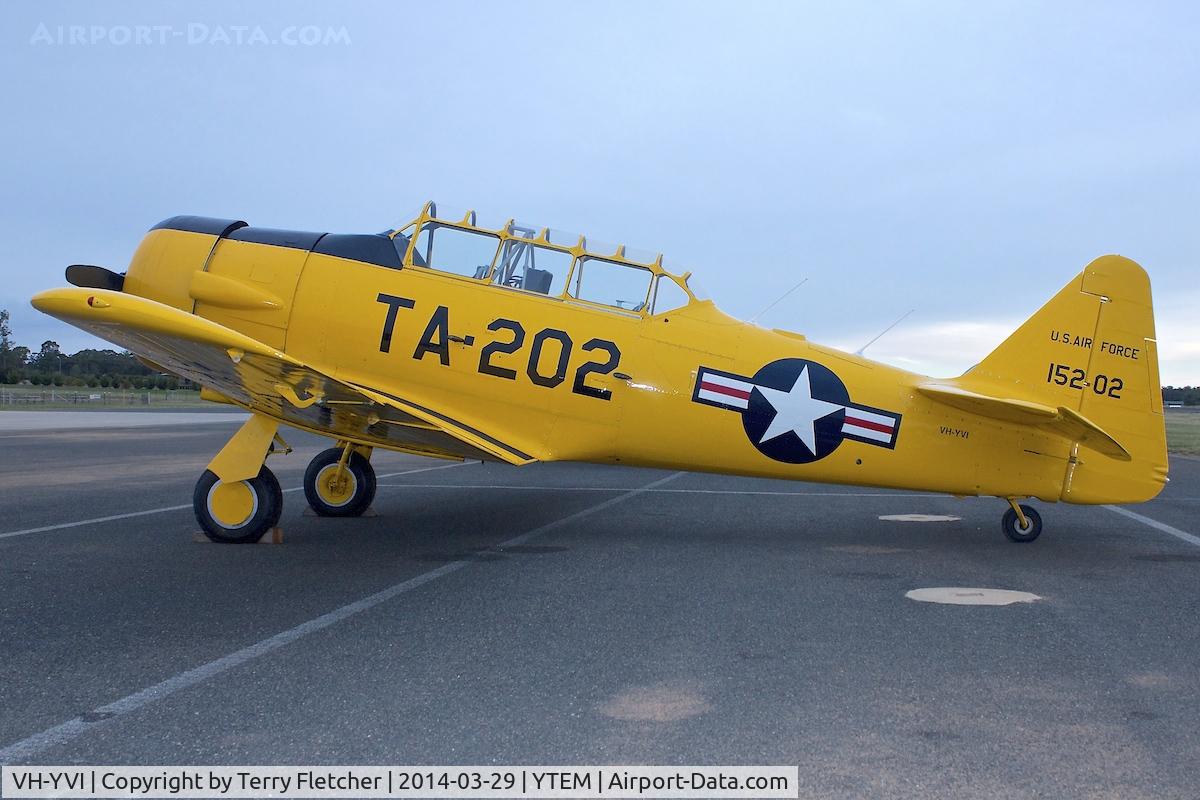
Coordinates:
column 1075, row 378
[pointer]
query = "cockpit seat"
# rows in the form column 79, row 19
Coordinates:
column 538, row 280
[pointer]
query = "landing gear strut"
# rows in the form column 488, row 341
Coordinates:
column 1021, row 523
column 238, row 499
column 340, row 482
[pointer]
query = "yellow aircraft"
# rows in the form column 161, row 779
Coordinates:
column 450, row 339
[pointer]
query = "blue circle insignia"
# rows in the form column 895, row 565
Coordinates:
column 796, row 411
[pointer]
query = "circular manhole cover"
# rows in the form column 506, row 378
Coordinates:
column 968, row 596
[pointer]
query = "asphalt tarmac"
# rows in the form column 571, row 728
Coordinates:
column 570, row 614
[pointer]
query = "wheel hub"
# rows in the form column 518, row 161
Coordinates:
column 232, row 505
column 336, row 486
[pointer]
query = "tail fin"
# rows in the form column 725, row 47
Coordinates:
column 1092, row 350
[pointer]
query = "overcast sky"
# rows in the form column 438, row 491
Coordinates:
column 961, row 159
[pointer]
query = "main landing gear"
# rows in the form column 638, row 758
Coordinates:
column 237, row 512
column 238, row 499
column 340, row 482
column 1021, row 523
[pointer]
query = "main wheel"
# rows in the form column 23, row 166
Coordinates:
column 1012, row 524
column 239, row 512
column 334, row 492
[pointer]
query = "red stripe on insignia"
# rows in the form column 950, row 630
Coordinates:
column 871, row 426
column 725, row 390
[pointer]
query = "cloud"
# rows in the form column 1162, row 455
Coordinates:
column 950, row 347
column 1177, row 319
column 940, row 349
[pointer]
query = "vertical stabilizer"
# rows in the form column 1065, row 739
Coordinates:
column 1092, row 350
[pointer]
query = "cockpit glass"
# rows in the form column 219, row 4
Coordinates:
column 454, row 250
column 640, row 255
column 525, row 265
column 668, row 295
column 600, row 281
column 600, row 247
column 688, row 279
column 543, row 260
column 564, row 238
column 448, row 213
column 698, row 289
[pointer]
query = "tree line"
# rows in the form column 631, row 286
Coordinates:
column 49, row 366
column 1188, row 395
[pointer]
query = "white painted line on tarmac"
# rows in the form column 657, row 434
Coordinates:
column 1158, row 526
column 506, row 486
column 920, row 518
column 46, row 421
column 64, row 732
column 164, row 509
column 94, row 521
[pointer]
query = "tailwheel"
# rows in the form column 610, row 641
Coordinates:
column 239, row 512
column 339, row 482
column 1021, row 523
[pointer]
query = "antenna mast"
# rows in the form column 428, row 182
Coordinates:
column 778, row 300
column 903, row 316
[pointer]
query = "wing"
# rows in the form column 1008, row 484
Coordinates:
column 1061, row 420
column 268, row 381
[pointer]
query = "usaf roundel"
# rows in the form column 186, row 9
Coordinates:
column 795, row 410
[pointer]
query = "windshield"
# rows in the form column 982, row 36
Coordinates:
column 455, row 250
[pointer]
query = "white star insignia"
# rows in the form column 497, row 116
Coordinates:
column 797, row 411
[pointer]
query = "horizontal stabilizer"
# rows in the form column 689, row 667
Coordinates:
column 1061, row 420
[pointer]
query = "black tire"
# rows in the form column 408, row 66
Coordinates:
column 268, row 505
column 1012, row 525
column 362, row 489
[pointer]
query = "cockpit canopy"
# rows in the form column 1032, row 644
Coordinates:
column 540, row 260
